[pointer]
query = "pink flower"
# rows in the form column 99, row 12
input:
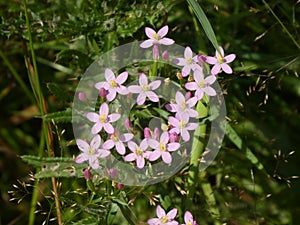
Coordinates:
column 163, row 218
column 127, row 124
column 139, row 153
column 117, row 140
column 220, row 62
column 145, row 90
column 182, row 126
column 189, row 62
column 183, row 106
column 82, row 96
column 173, row 137
column 201, row 85
column 87, row 174
column 149, row 134
column 113, row 84
column 91, row 152
column 103, row 119
column 156, row 38
column 162, row 148
column 188, row 219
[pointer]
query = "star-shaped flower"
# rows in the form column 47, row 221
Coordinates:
column 138, row 153
column 156, row 38
column 113, row 84
column 91, row 152
column 188, row 219
column 189, row 62
column 162, row 148
column 201, row 85
column 145, row 90
column 220, row 61
column 117, row 139
column 103, row 119
column 163, row 218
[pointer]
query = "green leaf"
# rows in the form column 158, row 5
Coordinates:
column 235, row 138
column 87, row 221
column 58, row 92
column 126, row 211
column 54, row 166
column 60, row 117
column 204, row 23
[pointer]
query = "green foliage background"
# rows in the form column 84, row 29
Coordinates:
column 262, row 99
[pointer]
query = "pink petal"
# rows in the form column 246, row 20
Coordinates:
column 144, row 144
column 171, row 107
column 153, row 221
column 173, row 146
column 160, row 212
column 216, row 69
column 91, row 116
column 193, row 113
column 143, row 79
column 199, row 94
column 153, row 143
column 94, row 164
column 111, row 95
column 113, row 117
column 104, row 153
column 210, row 79
column 191, row 102
column 173, row 121
column 164, row 137
column 185, row 135
column 174, row 130
column 191, row 126
column 130, row 157
column 81, row 158
column 221, row 50
column 152, row 96
column 122, row 90
column 135, row 89
column 166, row 157
column 196, row 67
column 188, row 217
column 179, row 97
column 173, row 223
column 166, row 41
column 198, row 76
column 211, row 60
column 155, row 84
column 96, row 141
column 186, row 70
column 180, row 61
column 126, row 137
column 82, row 145
column 132, row 146
column 172, row 214
column 108, row 128
column 188, row 52
column 210, row 91
column 140, row 162
column 96, row 128
column 147, row 43
column 191, row 86
column 109, row 75
column 227, row 69
column 103, row 109
column 141, row 99
column 149, row 32
column 229, row 58
column 163, row 31
column 154, row 155
column 122, row 78
column 100, row 85
column 109, row 144
column 120, row 148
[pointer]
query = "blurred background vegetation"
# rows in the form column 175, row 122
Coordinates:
column 262, row 98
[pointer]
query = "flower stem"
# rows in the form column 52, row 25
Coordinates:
column 154, row 69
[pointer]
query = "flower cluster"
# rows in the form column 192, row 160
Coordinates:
column 164, row 218
column 155, row 145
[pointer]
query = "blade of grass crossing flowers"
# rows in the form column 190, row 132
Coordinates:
column 204, row 23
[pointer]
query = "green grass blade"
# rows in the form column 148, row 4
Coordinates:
column 204, row 23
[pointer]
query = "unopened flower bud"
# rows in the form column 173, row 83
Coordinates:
column 120, row 186
column 147, row 132
column 127, row 124
column 190, row 79
column 166, row 55
column 81, row 96
column 87, row 174
column 188, row 95
column 113, row 173
column 167, row 81
column 173, row 137
column 201, row 59
column 102, row 92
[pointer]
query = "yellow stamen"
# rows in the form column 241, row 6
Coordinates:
column 183, row 105
column 145, row 87
column 91, row 151
column 113, row 84
column 102, row 118
column 115, row 137
column 165, row 219
column 138, row 151
column 189, row 60
column 201, row 84
column 220, row 59
column 182, row 124
column 162, row 146
column 156, row 36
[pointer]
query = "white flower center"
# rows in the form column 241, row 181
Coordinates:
column 182, row 124
column 145, row 87
column 156, row 36
column 202, row 84
column 189, row 60
column 113, row 84
column 182, row 105
column 91, row 151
